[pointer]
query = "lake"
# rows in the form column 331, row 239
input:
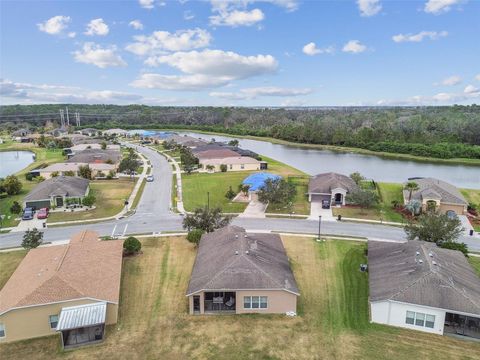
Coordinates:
column 313, row 161
column 13, row 161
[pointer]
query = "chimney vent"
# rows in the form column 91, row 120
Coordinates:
column 236, row 252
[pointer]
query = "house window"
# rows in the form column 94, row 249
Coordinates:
column 231, row 166
column 255, row 302
column 410, row 318
column 247, row 302
column 2, row 330
column 430, row 322
column 242, row 166
column 53, row 320
column 420, row 319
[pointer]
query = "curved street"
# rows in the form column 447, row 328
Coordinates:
column 153, row 215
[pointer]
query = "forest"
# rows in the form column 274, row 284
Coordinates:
column 441, row 132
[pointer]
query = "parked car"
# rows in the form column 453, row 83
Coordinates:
column 42, row 213
column 150, row 178
column 325, row 204
column 28, row 213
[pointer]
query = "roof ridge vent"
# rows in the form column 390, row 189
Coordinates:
column 236, row 252
column 417, row 253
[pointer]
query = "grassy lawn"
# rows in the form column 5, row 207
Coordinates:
column 471, row 195
column 475, row 262
column 332, row 323
column 139, row 194
column 196, row 186
column 43, row 157
column 387, row 192
column 110, row 196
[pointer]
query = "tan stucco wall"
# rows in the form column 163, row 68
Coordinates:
column 234, row 167
column 459, row 209
column 279, row 302
column 31, row 322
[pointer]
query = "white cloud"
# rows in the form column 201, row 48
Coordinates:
column 136, row 24
column 178, row 82
column 97, row 27
column 451, row 80
column 188, row 15
column 217, row 63
column 236, row 18
column 72, row 34
column 440, row 6
column 369, row 7
column 147, row 4
column 160, row 41
column 477, row 77
column 55, row 25
column 94, row 54
column 253, row 93
column 311, row 49
column 470, row 89
column 432, row 35
column 354, row 47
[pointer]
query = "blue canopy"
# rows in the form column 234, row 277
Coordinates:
column 257, row 180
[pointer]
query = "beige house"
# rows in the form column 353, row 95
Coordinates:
column 439, row 195
column 330, row 187
column 237, row 163
column 70, row 289
column 64, row 168
column 238, row 272
column 94, row 146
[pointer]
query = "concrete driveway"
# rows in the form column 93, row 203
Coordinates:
column 316, row 210
column 255, row 209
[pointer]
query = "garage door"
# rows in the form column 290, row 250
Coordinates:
column 38, row 204
column 319, row 198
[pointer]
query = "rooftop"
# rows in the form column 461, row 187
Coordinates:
column 61, row 185
column 231, row 160
column 431, row 188
column 326, row 182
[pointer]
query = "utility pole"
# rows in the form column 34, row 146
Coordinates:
column 62, row 119
column 319, row 226
column 68, row 119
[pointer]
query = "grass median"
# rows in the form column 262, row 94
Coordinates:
column 332, row 321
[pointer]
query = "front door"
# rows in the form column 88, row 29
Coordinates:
column 196, row 304
column 59, row 201
column 338, row 198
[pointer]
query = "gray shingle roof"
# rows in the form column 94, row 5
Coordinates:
column 431, row 188
column 58, row 186
column 445, row 280
column 95, row 155
column 324, row 183
column 227, row 260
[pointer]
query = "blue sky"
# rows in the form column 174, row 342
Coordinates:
column 244, row 53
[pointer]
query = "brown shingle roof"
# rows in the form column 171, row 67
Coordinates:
column 93, row 155
column 431, row 188
column 324, row 183
column 444, row 280
column 85, row 268
column 216, row 154
column 222, row 262
column 69, row 186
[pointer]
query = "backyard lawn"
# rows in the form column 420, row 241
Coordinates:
column 475, row 262
column 196, row 185
column 43, row 157
column 473, row 196
column 387, row 192
column 332, row 322
column 110, row 196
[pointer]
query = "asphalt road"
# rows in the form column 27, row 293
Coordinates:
column 153, row 215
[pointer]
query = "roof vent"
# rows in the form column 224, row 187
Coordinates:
column 434, row 262
column 236, row 236
column 420, row 261
column 418, row 253
column 430, row 254
column 246, row 252
column 246, row 235
column 236, row 252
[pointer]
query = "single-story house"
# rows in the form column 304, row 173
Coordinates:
column 58, row 132
column 419, row 286
column 330, row 186
column 187, row 141
column 118, row 132
column 62, row 168
column 70, row 289
column 91, row 156
column 237, row 163
column 238, row 272
column 94, row 146
column 55, row 191
column 21, row 133
column 438, row 194
column 256, row 181
column 219, row 153
column 88, row 131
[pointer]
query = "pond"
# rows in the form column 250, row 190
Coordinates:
column 313, row 161
column 13, row 161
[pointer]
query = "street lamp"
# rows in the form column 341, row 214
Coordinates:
column 319, row 225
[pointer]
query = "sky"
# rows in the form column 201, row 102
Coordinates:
column 240, row 53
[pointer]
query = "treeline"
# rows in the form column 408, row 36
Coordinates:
column 441, row 132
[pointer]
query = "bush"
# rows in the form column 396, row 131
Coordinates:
column 54, row 174
column 32, row 239
column 194, row 236
column 29, row 176
column 110, row 175
column 230, row 194
column 11, row 185
column 455, row 246
column 89, row 200
column 15, row 208
column 131, row 246
column 223, row 168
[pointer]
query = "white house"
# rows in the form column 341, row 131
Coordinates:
column 419, row 286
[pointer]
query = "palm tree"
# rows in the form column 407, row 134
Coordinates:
column 410, row 186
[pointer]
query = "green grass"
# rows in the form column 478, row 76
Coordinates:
column 387, row 192
column 139, row 194
column 475, row 262
column 110, row 196
column 332, row 321
column 43, row 157
column 472, row 196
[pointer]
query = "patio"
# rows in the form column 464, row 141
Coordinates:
column 216, row 302
column 462, row 325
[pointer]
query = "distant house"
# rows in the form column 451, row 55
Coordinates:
column 94, row 146
column 418, row 286
column 238, row 163
column 217, row 153
column 56, row 191
column 21, row 133
column 118, row 132
column 58, row 132
column 187, row 141
column 61, row 169
column 89, row 131
column 331, row 187
column 236, row 272
column 70, row 289
column 96, row 156
column 438, row 194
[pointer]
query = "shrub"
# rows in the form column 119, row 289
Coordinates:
column 15, row 208
column 89, row 200
column 29, row 176
column 131, row 246
column 32, row 239
column 54, row 174
column 110, row 175
column 455, row 246
column 223, row 168
column 230, row 194
column 194, row 236
column 11, row 185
